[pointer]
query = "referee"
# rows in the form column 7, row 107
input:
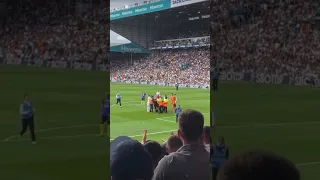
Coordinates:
column 27, row 114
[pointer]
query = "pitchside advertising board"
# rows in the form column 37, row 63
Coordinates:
column 269, row 78
column 149, row 8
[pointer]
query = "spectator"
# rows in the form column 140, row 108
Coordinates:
column 129, row 160
column 155, row 150
column 256, row 164
column 173, row 144
column 191, row 161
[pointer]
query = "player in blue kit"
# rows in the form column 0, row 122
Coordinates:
column 177, row 110
column 143, row 98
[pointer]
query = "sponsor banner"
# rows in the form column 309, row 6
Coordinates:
column 143, row 9
column 177, row 3
column 271, row 79
column 129, row 48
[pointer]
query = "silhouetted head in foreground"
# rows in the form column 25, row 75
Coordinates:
column 258, row 165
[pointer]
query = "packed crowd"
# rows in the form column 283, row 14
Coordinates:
column 271, row 37
column 184, row 155
column 179, row 66
column 54, row 31
column 185, row 42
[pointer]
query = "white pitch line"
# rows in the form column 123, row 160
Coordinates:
column 160, row 132
column 161, row 119
column 52, row 138
column 308, row 163
column 86, row 135
column 56, row 128
column 9, row 138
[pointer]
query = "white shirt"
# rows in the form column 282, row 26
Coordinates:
column 158, row 93
column 149, row 98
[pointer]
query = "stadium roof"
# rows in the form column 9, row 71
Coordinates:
column 128, row 48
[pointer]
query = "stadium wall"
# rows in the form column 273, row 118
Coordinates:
column 269, row 78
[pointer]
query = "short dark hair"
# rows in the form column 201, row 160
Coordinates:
column 174, row 142
column 258, row 164
column 155, row 150
column 191, row 124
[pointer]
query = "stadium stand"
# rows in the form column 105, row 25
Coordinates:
column 182, row 66
column 180, row 56
column 270, row 37
column 279, row 38
column 34, row 32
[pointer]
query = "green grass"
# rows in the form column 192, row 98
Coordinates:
column 279, row 118
column 133, row 118
column 67, row 120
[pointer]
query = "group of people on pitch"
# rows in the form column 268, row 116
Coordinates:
column 159, row 104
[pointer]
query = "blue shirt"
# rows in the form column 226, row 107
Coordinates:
column 143, row 95
column 118, row 96
column 26, row 110
column 219, row 156
column 178, row 111
column 177, row 84
column 105, row 107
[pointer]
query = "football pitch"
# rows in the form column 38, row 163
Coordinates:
column 283, row 119
column 67, row 121
column 132, row 118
